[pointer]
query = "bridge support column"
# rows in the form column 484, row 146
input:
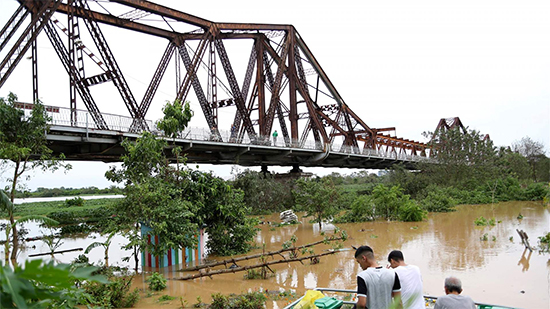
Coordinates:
column 264, row 170
column 295, row 169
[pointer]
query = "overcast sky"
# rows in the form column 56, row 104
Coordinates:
column 402, row 64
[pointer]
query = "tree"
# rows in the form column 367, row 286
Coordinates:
column 513, row 164
column 176, row 202
column 23, row 143
column 318, row 197
column 533, row 151
column 462, row 158
column 176, row 118
column 264, row 194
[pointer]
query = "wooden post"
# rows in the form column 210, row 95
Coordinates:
column 524, row 239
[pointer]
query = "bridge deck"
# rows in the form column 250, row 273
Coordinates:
column 88, row 144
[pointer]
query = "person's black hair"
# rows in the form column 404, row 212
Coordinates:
column 396, row 255
column 362, row 250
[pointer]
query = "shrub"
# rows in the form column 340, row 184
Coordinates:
column 411, row 211
column 362, row 209
column 544, row 242
column 157, row 282
column 251, row 300
column 166, row 298
column 536, row 191
column 77, row 201
column 438, row 201
column 481, row 221
column 115, row 294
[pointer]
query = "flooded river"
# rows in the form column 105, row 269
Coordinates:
column 497, row 270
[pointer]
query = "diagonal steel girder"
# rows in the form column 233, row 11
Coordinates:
column 276, row 87
column 244, row 90
column 157, row 77
column 271, row 83
column 206, row 109
column 110, row 61
column 74, row 75
column 192, row 67
column 12, row 25
column 237, row 94
column 40, row 18
column 155, row 82
column 311, row 106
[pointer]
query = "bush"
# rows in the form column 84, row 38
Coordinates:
column 388, row 201
column 481, row 221
column 438, row 201
column 411, row 211
column 115, row 294
column 536, row 191
column 251, row 300
column 77, row 201
column 157, row 282
column 362, row 209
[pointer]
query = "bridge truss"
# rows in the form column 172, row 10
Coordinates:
column 283, row 86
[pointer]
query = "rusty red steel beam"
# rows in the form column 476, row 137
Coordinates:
column 311, row 106
column 121, row 23
column 166, row 12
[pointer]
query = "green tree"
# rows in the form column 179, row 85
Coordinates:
column 176, row 202
column 462, row 158
column 513, row 164
column 533, row 151
column 176, row 118
column 264, row 194
column 23, row 143
column 318, row 197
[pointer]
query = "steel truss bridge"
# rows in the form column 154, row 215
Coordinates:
column 284, row 88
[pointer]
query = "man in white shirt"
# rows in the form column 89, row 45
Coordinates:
column 410, row 279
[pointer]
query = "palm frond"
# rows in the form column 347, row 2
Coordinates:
column 5, row 203
column 42, row 219
column 93, row 246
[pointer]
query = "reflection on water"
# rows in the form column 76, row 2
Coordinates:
column 493, row 271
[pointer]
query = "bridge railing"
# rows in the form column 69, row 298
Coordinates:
column 61, row 116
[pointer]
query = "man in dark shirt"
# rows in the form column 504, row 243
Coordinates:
column 376, row 285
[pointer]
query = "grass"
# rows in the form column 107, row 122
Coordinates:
column 45, row 208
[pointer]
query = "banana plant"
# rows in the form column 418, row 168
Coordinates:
column 104, row 244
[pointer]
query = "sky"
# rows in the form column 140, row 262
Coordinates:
column 402, row 64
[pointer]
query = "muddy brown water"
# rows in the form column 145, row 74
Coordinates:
column 495, row 271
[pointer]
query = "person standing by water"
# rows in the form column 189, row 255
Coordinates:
column 453, row 299
column 410, row 279
column 275, row 134
column 376, row 285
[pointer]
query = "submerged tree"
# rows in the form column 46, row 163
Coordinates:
column 175, row 202
column 318, row 197
column 23, row 146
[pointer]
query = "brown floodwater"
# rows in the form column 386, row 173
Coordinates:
column 495, row 271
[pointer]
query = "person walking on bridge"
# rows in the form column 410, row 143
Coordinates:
column 275, row 134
